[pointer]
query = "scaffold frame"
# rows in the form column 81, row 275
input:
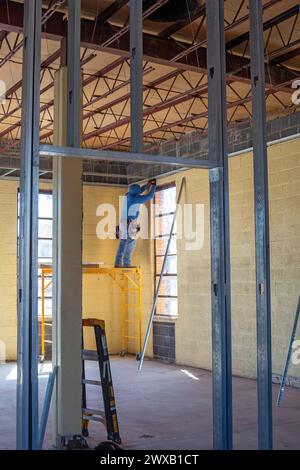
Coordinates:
column 128, row 280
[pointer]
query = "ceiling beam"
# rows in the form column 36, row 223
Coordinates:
column 3, row 35
column 178, row 25
column 110, row 11
column 187, row 119
column 156, row 49
column 286, row 56
column 53, row 6
column 129, row 157
column 90, row 79
column 46, row 63
column 90, row 168
column 173, row 101
column 285, row 15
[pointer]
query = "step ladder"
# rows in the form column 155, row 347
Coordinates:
column 288, row 357
column 108, row 417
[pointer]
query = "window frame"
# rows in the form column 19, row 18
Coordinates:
column 45, row 259
column 164, row 316
column 49, row 192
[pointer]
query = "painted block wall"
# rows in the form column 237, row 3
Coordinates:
column 8, row 267
column 193, row 326
column 101, row 296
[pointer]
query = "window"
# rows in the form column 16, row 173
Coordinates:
column 164, row 209
column 44, row 246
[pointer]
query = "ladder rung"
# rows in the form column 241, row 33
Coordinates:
column 129, row 321
column 91, row 382
column 48, row 341
column 107, row 417
column 95, row 418
column 91, row 411
column 130, row 337
column 90, row 355
column 94, row 415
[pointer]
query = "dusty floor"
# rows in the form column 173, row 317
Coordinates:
column 164, row 407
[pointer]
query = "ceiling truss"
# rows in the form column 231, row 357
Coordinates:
column 169, row 111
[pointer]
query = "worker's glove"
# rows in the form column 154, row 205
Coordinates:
column 152, row 182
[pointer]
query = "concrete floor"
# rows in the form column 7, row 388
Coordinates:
column 164, row 407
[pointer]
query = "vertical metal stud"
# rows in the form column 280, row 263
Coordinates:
column 27, row 385
column 263, row 294
column 67, row 228
column 74, row 134
column 219, row 207
column 136, row 74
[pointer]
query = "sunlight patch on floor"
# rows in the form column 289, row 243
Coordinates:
column 44, row 370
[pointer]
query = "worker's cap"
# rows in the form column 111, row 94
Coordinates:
column 134, row 189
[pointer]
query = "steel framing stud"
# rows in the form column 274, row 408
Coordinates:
column 136, row 74
column 219, row 208
column 67, row 228
column 27, row 386
column 74, row 132
column 262, row 247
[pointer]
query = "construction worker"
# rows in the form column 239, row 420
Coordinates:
column 129, row 228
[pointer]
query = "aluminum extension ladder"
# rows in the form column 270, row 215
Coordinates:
column 288, row 357
column 108, row 417
column 162, row 272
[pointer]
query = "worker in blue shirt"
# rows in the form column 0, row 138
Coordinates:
column 128, row 224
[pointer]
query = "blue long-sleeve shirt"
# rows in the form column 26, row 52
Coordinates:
column 134, row 198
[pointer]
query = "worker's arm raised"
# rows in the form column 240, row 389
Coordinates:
column 143, row 188
column 146, row 197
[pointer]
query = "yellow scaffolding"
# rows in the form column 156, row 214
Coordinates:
column 130, row 282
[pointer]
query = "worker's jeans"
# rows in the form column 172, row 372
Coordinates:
column 125, row 251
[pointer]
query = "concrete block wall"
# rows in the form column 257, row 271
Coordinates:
column 101, row 296
column 8, row 267
column 239, row 138
column 144, row 257
column 193, row 326
column 284, row 191
column 284, row 168
column 164, row 341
